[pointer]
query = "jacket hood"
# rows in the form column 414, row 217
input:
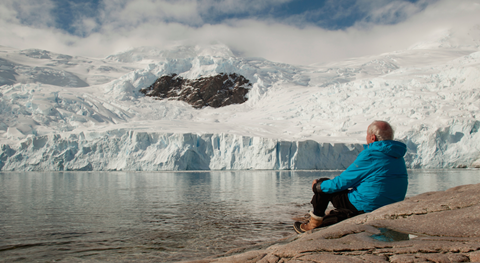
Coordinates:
column 395, row 149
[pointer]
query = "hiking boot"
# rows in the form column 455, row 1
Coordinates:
column 314, row 222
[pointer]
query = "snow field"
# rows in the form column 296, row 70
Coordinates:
column 296, row 117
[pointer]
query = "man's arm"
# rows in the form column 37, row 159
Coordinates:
column 316, row 183
column 349, row 178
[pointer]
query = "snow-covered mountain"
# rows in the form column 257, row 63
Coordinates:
column 61, row 112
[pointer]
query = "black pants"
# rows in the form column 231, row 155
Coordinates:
column 339, row 201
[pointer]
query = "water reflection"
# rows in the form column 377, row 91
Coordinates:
column 167, row 216
column 421, row 181
column 389, row 235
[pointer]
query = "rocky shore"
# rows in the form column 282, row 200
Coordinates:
column 439, row 226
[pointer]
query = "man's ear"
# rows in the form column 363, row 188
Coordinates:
column 374, row 137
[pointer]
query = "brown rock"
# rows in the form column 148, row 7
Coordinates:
column 328, row 258
column 474, row 256
column 405, row 259
column 215, row 91
column 374, row 258
column 431, row 227
column 269, row 259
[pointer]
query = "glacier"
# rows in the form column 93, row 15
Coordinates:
column 69, row 113
column 143, row 151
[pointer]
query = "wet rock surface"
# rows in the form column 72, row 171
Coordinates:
column 433, row 227
column 214, row 91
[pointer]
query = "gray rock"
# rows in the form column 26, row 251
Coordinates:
column 432, row 227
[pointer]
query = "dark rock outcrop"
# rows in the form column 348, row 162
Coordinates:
column 215, row 91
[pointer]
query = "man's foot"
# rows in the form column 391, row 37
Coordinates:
column 314, row 222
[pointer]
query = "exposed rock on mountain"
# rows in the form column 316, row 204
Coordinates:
column 215, row 91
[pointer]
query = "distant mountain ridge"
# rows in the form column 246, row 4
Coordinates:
column 154, row 54
column 12, row 73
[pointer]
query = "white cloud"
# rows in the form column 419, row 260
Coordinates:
column 34, row 13
column 134, row 13
column 392, row 12
column 8, row 14
column 125, row 24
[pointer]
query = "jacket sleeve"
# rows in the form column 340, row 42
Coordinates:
column 351, row 177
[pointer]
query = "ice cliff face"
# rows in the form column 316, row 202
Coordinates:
column 296, row 117
column 142, row 151
column 130, row 150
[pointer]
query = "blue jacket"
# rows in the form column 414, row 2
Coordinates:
column 378, row 176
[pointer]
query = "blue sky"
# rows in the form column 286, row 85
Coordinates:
column 332, row 15
column 292, row 31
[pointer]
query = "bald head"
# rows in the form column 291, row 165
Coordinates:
column 381, row 131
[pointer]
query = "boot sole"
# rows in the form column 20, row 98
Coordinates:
column 297, row 227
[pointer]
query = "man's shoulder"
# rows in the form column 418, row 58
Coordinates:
column 391, row 148
column 385, row 143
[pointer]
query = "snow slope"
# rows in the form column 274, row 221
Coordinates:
column 60, row 112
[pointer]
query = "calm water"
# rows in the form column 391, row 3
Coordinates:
column 161, row 216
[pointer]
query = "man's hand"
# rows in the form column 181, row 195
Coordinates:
column 313, row 184
column 318, row 181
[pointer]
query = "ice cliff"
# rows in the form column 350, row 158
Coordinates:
column 296, row 117
column 142, row 151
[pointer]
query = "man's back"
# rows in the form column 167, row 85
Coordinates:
column 378, row 176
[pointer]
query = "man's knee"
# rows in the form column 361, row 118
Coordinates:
column 317, row 189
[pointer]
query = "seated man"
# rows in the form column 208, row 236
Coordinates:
column 378, row 177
